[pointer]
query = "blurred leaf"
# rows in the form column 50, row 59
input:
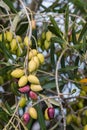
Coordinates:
column 52, row 56
column 52, row 101
column 8, row 107
column 84, row 43
column 63, row 62
column 21, row 30
column 49, row 85
column 84, row 30
column 80, row 5
column 57, row 40
column 55, row 26
column 5, row 51
column 10, row 4
column 29, row 125
column 14, row 88
column 75, row 127
column 3, row 115
column 5, row 69
column 66, row 22
column 76, row 64
column 40, row 117
column 74, row 36
column 68, row 68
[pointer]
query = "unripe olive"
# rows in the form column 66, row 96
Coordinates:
column 78, row 120
column 43, row 35
column 46, row 114
column 0, row 37
column 22, row 102
column 36, row 88
column 19, row 52
column 32, row 53
column 84, row 120
column 82, row 93
column 17, row 73
column 69, row 119
column 1, row 80
column 13, row 45
column 40, row 57
column 80, row 104
column 32, row 66
column 85, row 127
column 18, row 38
column 48, row 35
column 39, row 42
column 27, row 41
column 9, row 36
column 36, row 59
column 23, row 81
column 33, row 112
column 46, row 44
column 33, row 79
column 85, row 113
column 7, row 46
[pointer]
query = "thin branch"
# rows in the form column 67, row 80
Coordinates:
column 57, row 85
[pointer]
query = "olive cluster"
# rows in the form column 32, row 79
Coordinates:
column 78, row 116
column 14, row 44
column 45, row 41
column 32, row 113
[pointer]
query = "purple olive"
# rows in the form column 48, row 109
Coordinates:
column 33, row 95
column 26, row 117
column 24, row 89
column 51, row 112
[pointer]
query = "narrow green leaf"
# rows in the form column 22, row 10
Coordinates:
column 10, row 4
column 57, row 40
column 8, row 108
column 57, row 29
column 68, row 68
column 66, row 22
column 63, row 62
column 52, row 56
column 5, row 51
column 41, row 118
column 29, row 125
column 51, row 100
column 49, row 85
column 21, row 30
column 74, row 36
column 84, row 43
column 3, row 115
column 5, row 69
column 84, row 30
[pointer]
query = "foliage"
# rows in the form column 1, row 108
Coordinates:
column 43, row 66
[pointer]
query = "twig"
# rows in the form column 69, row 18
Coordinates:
column 57, row 85
column 81, row 110
column 6, row 126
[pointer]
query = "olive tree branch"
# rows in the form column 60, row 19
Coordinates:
column 57, row 85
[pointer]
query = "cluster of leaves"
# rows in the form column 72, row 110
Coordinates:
column 72, row 67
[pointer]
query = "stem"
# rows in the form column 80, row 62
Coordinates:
column 11, row 117
column 57, row 85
